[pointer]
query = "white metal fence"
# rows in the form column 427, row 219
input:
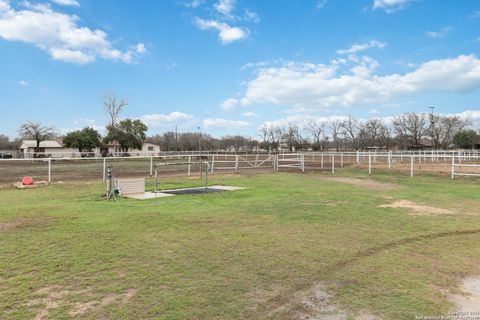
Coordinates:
column 456, row 163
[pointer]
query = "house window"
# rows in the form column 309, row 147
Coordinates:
column 150, row 148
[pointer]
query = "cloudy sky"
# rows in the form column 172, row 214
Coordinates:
column 230, row 66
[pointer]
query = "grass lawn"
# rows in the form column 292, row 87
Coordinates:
column 251, row 254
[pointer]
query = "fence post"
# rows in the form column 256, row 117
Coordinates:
column 389, row 159
column 189, row 164
column 236, row 163
column 358, row 157
column 341, row 159
column 369, row 163
column 333, row 164
column 213, row 164
column 276, row 162
column 104, row 167
column 151, row 166
column 49, row 170
column 411, row 166
column 321, row 165
column 453, row 166
column 303, row 162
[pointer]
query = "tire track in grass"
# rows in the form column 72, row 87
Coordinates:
column 396, row 243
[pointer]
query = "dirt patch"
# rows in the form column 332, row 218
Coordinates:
column 358, row 182
column 313, row 304
column 469, row 298
column 25, row 222
column 417, row 209
column 53, row 297
column 7, row 226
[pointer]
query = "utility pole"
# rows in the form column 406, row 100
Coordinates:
column 432, row 127
column 200, row 149
column 176, row 138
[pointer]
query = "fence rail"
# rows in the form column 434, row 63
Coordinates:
column 456, row 163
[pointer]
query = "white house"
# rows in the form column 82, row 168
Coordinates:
column 56, row 149
column 113, row 148
column 48, row 148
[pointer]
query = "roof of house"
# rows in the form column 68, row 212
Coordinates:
column 43, row 144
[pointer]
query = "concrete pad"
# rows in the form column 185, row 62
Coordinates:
column 165, row 193
column 148, row 195
column 227, row 188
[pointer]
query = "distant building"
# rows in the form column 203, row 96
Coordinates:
column 28, row 149
column 113, row 149
column 56, row 149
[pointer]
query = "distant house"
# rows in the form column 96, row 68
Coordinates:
column 113, row 149
column 425, row 143
column 48, row 148
column 56, row 149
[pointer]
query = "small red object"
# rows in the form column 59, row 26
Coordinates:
column 27, row 181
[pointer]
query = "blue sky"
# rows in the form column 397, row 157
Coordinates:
column 232, row 66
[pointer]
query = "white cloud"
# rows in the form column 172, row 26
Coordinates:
column 319, row 86
column 362, row 47
column 224, row 123
column 249, row 114
column 321, row 4
column 194, row 3
column 472, row 115
column 73, row 3
column 302, row 120
column 227, row 33
column 158, row 120
column 140, row 48
column 172, row 66
column 225, row 7
column 390, row 6
column 229, row 104
column 438, row 34
column 475, row 15
column 251, row 16
column 24, row 83
column 59, row 34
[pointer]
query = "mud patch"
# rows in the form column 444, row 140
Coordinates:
column 53, row 297
column 358, row 182
column 469, row 298
column 417, row 209
column 316, row 304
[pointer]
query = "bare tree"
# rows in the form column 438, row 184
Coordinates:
column 444, row 128
column 36, row 131
column 113, row 108
column 318, row 131
column 377, row 134
column 272, row 136
column 410, row 127
column 350, row 130
column 334, row 128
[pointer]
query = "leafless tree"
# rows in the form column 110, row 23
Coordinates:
column 350, row 130
column 444, row 128
column 334, row 127
column 319, row 135
column 113, row 107
column 410, row 127
column 36, row 131
column 377, row 133
column 272, row 137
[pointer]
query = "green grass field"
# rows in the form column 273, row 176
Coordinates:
column 258, row 253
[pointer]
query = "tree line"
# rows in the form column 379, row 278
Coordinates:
column 409, row 130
